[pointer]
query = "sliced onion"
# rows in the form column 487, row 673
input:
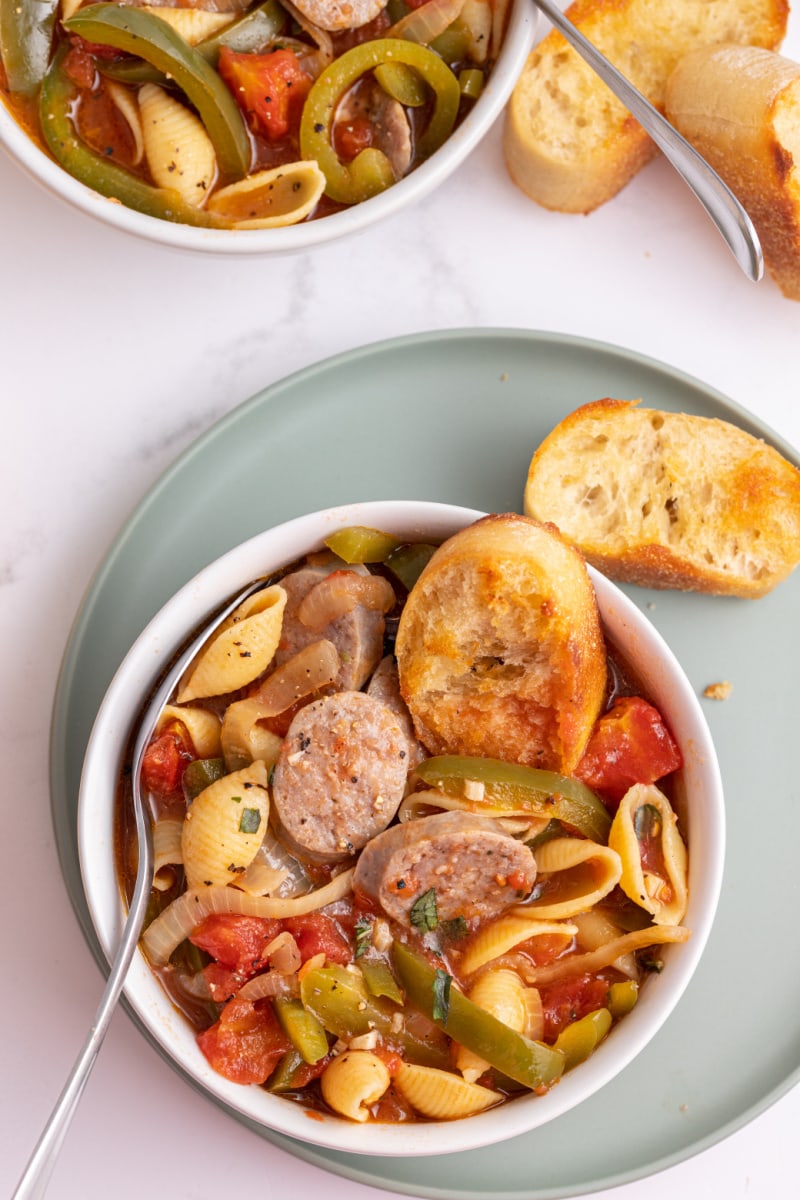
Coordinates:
column 339, row 593
column 283, row 954
column 181, row 917
column 269, row 984
column 313, row 667
column 426, row 23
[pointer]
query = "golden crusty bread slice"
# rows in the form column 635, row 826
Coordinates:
column 500, row 649
column 740, row 106
column 668, row 500
column 569, row 143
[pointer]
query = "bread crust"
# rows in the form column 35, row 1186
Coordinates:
column 740, row 107
column 669, row 500
column 500, row 648
column 569, row 143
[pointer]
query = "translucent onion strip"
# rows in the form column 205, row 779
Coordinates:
column 341, row 592
column 127, row 107
column 606, row 956
column 426, row 23
column 269, row 984
column 177, row 921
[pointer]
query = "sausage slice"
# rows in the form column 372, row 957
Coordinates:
column 340, row 775
column 474, row 869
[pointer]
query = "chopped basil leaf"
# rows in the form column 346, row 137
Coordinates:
column 423, row 914
column 250, row 820
column 455, row 928
column 441, row 995
column 363, row 935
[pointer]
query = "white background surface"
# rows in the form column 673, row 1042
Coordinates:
column 115, row 356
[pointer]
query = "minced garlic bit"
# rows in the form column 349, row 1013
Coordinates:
column 718, row 691
column 474, row 789
column 365, row 1041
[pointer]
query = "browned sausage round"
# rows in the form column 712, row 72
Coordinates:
column 357, row 635
column 474, row 869
column 340, row 775
column 385, row 686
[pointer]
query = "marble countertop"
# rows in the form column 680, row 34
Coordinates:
column 116, row 356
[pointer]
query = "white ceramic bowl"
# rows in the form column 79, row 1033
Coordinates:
column 424, row 179
column 699, row 797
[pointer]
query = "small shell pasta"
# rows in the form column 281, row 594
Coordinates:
column 354, row 1081
column 502, row 993
column 242, row 650
column 167, row 852
column 179, row 152
column 441, row 1095
column 126, row 106
column 193, row 24
column 645, row 814
column 582, row 872
column 202, row 726
column 225, row 826
column 507, row 932
column 268, row 199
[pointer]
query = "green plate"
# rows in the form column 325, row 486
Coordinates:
column 454, row 417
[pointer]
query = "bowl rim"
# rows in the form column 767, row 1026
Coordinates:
column 25, row 151
column 663, row 678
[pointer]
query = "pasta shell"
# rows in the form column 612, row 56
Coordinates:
column 269, row 199
column 202, row 726
column 662, row 890
column 354, row 1081
column 580, row 872
column 506, row 932
column 125, row 104
column 225, row 826
column 442, row 1095
column 193, row 24
column 166, row 852
column 241, row 651
column 179, row 152
column 243, row 739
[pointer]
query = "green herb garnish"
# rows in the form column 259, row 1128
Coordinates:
column 363, row 933
column 454, row 929
column 423, row 914
column 250, row 820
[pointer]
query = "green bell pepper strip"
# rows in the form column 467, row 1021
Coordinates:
column 199, row 774
column 379, row 980
column 402, row 83
column 530, row 1063
column 302, row 1028
column 249, row 34
column 512, row 786
column 360, row 544
column 622, row 998
column 55, row 109
column 26, row 39
column 581, row 1038
column 139, row 32
column 408, row 562
column 339, row 1000
column 289, row 1071
column 370, row 171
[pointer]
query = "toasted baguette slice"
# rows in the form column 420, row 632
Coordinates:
column 569, row 143
column 740, row 106
column 500, row 649
column 667, row 500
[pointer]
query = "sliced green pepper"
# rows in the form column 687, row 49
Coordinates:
column 370, row 171
column 581, row 1038
column 339, row 1000
column 360, row 544
column 532, row 1064
column 402, row 83
column 302, row 1028
column 408, row 562
column 512, row 786
column 249, row 34
column 290, row 1073
column 622, row 998
column 26, row 39
column 199, row 774
column 55, row 108
column 379, row 980
column 141, row 33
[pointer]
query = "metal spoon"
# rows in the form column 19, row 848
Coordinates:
column 34, row 1180
column 715, row 196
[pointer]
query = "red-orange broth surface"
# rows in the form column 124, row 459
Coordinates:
column 288, row 1038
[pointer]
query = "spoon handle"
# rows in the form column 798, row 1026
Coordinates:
column 715, row 196
column 36, row 1176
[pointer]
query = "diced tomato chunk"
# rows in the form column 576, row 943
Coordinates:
column 246, row 1043
column 236, row 941
column 629, row 744
column 165, row 760
column 223, row 983
column 351, row 137
column 545, row 948
column 269, row 88
column 317, row 933
column 568, row 1000
column 80, row 67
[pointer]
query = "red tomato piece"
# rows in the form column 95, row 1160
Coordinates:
column 629, row 744
column 223, row 983
column 269, row 88
column 80, row 67
column 545, row 948
column 165, row 760
column 236, row 941
column 246, row 1043
column 317, row 933
column 568, row 1000
column 351, row 137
